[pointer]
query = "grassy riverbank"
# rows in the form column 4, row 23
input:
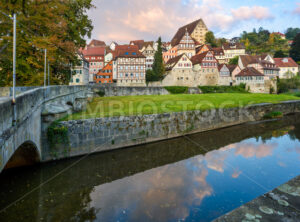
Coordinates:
column 138, row 105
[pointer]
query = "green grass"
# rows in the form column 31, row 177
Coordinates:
column 138, row 105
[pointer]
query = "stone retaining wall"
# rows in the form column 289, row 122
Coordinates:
column 102, row 134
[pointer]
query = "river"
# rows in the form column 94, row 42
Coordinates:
column 193, row 178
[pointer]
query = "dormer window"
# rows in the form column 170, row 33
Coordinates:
column 285, row 60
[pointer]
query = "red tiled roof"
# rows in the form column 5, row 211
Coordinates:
column 232, row 67
column 94, row 51
column 128, row 51
column 181, row 31
column 218, row 51
column 95, row 42
column 250, row 59
column 220, row 66
column 172, row 62
column 197, row 59
column 285, row 62
column 250, row 71
column 124, row 47
column 139, row 43
column 229, row 46
column 198, row 49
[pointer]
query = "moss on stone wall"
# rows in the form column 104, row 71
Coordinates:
column 57, row 134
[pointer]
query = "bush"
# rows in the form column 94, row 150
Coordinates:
column 297, row 94
column 177, row 89
column 224, row 89
column 272, row 115
column 284, row 85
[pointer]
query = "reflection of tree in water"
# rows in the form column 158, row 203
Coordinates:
column 275, row 133
column 295, row 133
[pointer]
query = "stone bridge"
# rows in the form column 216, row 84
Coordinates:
column 22, row 123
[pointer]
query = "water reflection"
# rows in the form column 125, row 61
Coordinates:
column 194, row 179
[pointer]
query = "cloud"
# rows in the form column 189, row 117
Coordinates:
column 297, row 10
column 122, row 21
column 236, row 174
column 255, row 12
column 249, row 150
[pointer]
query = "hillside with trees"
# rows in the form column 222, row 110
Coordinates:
column 262, row 41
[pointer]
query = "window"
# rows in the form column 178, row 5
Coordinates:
column 142, row 74
column 121, row 75
column 136, row 75
column 77, row 80
column 142, row 67
column 131, row 75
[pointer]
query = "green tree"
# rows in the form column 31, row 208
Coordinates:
column 59, row 26
column 158, row 64
column 210, row 39
column 295, row 48
column 221, row 41
column 234, row 61
column 279, row 54
column 291, row 33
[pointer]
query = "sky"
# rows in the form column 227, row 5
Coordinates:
column 125, row 20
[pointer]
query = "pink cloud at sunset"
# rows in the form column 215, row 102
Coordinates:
column 122, row 21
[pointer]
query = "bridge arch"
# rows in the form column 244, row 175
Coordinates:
column 25, row 155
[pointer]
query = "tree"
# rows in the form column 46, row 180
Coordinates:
column 158, row 64
column 210, row 39
column 295, row 48
column 221, row 41
column 279, row 54
column 291, row 33
column 234, row 61
column 59, row 26
column 150, row 75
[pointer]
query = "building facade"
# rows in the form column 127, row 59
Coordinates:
column 80, row 73
column 179, row 72
column 232, row 50
column 288, row 67
column 254, row 80
column 265, row 64
column 186, row 46
column 129, row 67
column 197, row 30
column 206, row 66
column 224, row 75
column 94, row 53
column 105, row 75
column 171, row 53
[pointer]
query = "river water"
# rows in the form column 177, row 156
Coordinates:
column 195, row 178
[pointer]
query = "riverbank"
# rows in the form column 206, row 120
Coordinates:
column 280, row 204
column 79, row 137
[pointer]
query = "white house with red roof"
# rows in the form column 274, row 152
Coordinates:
column 288, row 67
column 254, row 80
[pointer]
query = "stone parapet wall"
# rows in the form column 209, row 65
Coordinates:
column 102, row 134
